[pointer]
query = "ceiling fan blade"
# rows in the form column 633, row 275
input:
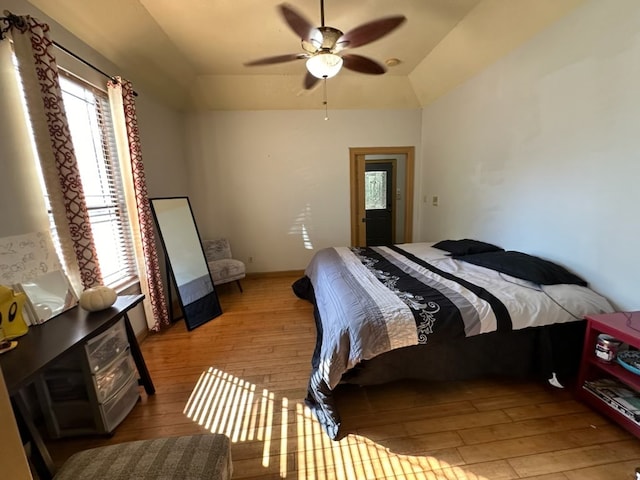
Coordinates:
column 310, row 81
column 361, row 64
column 371, row 31
column 277, row 59
column 300, row 25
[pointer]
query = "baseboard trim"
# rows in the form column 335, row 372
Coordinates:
column 287, row 273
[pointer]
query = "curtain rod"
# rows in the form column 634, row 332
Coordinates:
column 10, row 18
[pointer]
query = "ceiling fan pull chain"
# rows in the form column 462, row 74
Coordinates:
column 325, row 102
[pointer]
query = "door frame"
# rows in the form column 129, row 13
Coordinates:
column 356, row 181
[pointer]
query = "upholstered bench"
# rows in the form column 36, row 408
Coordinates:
column 191, row 457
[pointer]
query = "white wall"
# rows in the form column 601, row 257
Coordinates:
column 23, row 209
column 265, row 179
column 541, row 152
column 162, row 136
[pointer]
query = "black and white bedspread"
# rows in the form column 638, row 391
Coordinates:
column 373, row 300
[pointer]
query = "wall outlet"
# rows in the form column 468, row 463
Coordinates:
column 250, row 259
column 435, row 200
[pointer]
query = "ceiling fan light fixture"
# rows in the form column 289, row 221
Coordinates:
column 324, row 65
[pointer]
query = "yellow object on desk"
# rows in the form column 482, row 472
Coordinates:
column 11, row 319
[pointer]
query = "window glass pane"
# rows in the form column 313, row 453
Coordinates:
column 109, row 243
column 375, row 190
column 82, row 115
column 93, row 141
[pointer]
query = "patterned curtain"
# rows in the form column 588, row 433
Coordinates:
column 125, row 124
column 39, row 75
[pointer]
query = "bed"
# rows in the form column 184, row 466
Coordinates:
column 451, row 310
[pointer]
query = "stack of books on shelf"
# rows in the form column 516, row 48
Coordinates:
column 617, row 395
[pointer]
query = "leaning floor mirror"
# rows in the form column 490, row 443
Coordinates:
column 186, row 262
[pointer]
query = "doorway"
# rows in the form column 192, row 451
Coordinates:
column 381, row 195
column 380, row 201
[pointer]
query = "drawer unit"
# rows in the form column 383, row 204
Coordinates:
column 118, row 407
column 104, row 348
column 108, row 381
column 91, row 389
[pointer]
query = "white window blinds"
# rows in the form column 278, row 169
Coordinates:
column 91, row 130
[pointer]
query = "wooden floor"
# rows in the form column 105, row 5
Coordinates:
column 245, row 374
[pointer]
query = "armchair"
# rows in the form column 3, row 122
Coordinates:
column 222, row 266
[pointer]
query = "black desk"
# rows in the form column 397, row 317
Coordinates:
column 44, row 343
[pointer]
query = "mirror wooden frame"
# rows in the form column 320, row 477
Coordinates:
column 186, row 261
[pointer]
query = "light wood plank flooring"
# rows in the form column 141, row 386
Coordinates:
column 245, row 374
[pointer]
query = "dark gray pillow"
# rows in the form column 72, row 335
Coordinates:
column 466, row 246
column 524, row 266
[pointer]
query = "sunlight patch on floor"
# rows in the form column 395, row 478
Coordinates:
column 224, row 403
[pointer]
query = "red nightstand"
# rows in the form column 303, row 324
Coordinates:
column 624, row 326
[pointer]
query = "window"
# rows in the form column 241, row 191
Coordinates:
column 88, row 114
column 375, row 186
column 92, row 134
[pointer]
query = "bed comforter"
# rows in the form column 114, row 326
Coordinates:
column 373, row 300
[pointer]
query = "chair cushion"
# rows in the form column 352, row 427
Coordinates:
column 190, row 457
column 217, row 249
column 226, row 270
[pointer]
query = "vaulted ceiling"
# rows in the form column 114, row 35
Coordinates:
column 191, row 53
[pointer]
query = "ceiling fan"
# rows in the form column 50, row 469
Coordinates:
column 323, row 45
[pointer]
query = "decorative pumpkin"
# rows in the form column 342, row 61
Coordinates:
column 97, row 298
